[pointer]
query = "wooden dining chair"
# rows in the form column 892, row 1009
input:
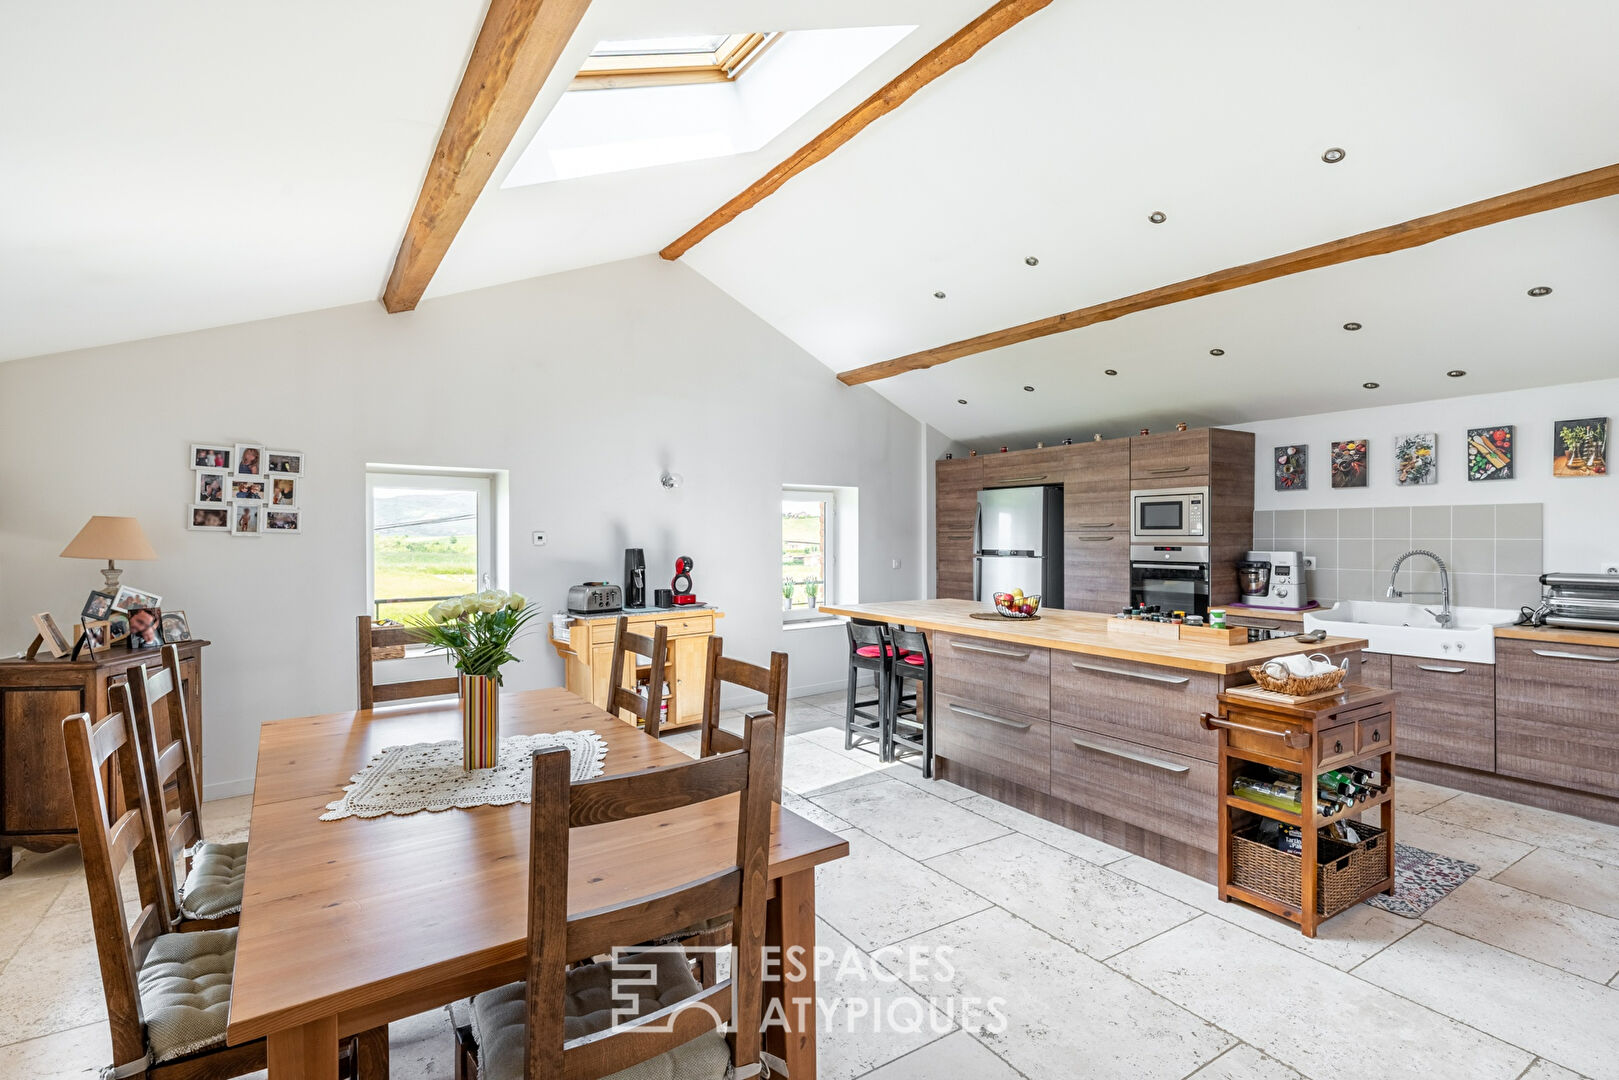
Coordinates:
column 629, row 698
column 391, row 639
column 770, row 681
column 200, row 883
column 561, row 1022
column 168, row 994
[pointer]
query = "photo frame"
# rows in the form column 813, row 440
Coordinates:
column 284, row 462
column 1490, row 453
column 51, row 634
column 1416, row 459
column 98, row 606
column 283, row 520
column 246, row 518
column 212, row 456
column 174, row 627
column 95, row 635
column 1580, row 447
column 145, row 629
column 248, row 489
column 129, row 597
column 117, row 628
column 249, row 460
column 284, row 491
column 210, row 486
column 1292, row 467
column 208, row 517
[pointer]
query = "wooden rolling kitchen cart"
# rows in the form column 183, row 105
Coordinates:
column 1306, row 737
column 36, row 803
column 587, row 655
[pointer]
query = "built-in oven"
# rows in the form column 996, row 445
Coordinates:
column 1170, row 577
column 1170, row 514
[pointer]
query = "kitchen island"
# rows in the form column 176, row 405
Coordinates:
column 1094, row 730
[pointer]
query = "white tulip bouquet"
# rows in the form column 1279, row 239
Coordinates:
column 477, row 629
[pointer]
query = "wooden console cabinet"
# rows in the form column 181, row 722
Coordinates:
column 36, row 802
column 588, row 656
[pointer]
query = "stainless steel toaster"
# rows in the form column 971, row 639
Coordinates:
column 594, row 596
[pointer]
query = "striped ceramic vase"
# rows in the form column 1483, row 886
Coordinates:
column 480, row 721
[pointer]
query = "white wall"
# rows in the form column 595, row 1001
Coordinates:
column 584, row 385
column 1581, row 514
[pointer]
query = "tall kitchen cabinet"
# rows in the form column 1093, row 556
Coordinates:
column 956, row 485
column 1222, row 461
column 1096, row 526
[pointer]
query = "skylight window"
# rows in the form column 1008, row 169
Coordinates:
column 671, row 61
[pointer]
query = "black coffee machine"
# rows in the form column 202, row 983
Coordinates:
column 634, row 578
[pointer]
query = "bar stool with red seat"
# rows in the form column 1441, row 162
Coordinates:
column 910, row 713
column 869, row 650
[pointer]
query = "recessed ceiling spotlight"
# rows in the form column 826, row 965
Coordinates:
column 1541, row 290
column 1157, row 217
column 1456, row 373
column 1029, row 389
column 961, row 401
column 1110, row 371
column 1333, row 155
column 1216, row 352
column 1031, row 261
column 1371, row 385
column 939, row 295
column 1351, row 326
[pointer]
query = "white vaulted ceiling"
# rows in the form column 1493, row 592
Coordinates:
column 186, row 164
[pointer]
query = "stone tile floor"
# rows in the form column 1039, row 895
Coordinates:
column 1100, row 963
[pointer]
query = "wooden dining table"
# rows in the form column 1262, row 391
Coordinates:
column 350, row 924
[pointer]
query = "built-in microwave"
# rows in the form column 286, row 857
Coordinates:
column 1175, row 513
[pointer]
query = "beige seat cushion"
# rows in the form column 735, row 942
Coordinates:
column 500, row 1020
column 185, row 992
column 213, row 889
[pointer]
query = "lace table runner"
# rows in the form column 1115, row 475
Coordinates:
column 428, row 776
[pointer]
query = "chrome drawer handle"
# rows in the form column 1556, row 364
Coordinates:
column 990, row 649
column 1170, row 469
column 1576, row 656
column 1445, row 670
column 1167, row 766
column 992, row 718
column 1094, row 539
column 1093, row 525
column 1022, row 479
column 1175, row 680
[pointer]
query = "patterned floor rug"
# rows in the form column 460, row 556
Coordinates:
column 1421, row 880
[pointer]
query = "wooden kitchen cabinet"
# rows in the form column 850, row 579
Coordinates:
column 1373, row 669
column 1096, row 526
column 36, row 801
column 587, row 656
column 1554, row 714
column 1447, row 711
column 956, row 487
column 1167, row 459
column 1025, row 468
column 1096, row 571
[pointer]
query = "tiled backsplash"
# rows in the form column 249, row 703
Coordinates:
column 1494, row 552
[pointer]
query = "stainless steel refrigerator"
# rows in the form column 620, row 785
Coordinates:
column 1017, row 543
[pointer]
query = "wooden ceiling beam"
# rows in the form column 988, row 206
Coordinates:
column 516, row 49
column 955, row 50
column 1582, row 187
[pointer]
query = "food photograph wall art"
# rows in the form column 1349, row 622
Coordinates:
column 1489, row 453
column 1580, row 447
column 1292, row 468
column 1415, row 459
column 1349, row 464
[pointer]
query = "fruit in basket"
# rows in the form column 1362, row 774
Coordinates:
column 1016, row 606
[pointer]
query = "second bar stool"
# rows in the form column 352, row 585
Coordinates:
column 869, row 650
column 910, row 713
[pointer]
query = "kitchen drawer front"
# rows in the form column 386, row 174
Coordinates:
column 1155, row 706
column 993, row 740
column 1097, row 513
column 954, row 566
column 1025, row 468
column 1162, row 792
column 996, row 674
column 956, row 484
column 1555, row 707
column 1167, row 459
column 1373, row 669
column 1095, row 571
column 1336, row 746
column 1100, row 468
column 1376, row 734
column 1447, row 711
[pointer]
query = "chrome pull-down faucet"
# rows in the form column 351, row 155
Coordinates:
column 1443, row 616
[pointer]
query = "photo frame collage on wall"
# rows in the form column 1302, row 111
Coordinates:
column 245, row 489
column 1579, row 449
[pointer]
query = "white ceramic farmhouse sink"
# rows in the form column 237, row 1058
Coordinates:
column 1408, row 629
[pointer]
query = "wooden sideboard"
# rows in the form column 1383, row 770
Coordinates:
column 588, row 655
column 36, row 802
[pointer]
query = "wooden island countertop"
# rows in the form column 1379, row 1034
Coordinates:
column 1083, row 632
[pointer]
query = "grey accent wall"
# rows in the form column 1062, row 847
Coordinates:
column 1494, row 551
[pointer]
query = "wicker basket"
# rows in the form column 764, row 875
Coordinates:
column 1262, row 869
column 1299, row 686
column 1369, row 857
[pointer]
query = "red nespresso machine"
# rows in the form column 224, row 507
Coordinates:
column 680, row 587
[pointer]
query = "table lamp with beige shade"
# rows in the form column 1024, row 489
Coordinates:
column 110, row 538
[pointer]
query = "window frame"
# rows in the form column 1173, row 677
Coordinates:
column 830, row 592
column 624, row 70
column 434, row 479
